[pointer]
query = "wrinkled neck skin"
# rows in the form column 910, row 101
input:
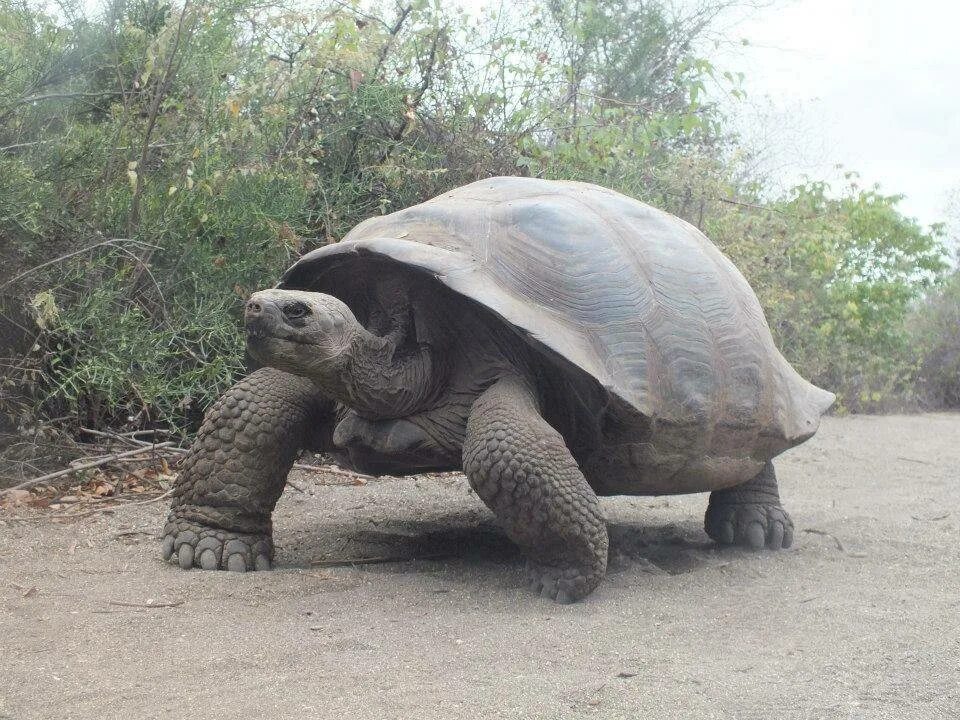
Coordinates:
column 375, row 379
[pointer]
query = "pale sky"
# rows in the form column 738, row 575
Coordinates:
column 870, row 84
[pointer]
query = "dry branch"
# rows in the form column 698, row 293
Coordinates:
column 147, row 605
column 346, row 562
column 129, row 438
column 167, row 447
column 163, row 84
column 114, row 242
column 88, row 465
column 87, row 513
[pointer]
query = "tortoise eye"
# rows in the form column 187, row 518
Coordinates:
column 295, row 311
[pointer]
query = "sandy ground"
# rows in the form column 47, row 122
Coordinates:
column 860, row 619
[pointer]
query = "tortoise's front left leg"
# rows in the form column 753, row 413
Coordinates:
column 236, row 469
column 521, row 468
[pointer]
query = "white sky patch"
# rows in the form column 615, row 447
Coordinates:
column 872, row 85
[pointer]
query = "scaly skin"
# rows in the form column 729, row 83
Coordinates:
column 235, row 471
column 750, row 514
column 521, row 468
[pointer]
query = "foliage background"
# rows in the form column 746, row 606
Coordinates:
column 160, row 160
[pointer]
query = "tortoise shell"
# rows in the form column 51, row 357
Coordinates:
column 695, row 394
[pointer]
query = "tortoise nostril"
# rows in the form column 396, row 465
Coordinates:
column 254, row 308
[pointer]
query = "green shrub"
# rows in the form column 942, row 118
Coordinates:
column 936, row 340
column 160, row 161
column 837, row 276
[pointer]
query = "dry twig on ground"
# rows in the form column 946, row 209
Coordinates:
column 87, row 466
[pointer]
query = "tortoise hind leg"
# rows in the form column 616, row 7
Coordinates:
column 750, row 514
column 236, row 470
column 521, row 468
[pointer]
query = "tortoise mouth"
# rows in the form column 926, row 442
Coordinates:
column 259, row 336
column 265, row 327
column 273, row 343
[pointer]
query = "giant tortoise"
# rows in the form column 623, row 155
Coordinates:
column 554, row 340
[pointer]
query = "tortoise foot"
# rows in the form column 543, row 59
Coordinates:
column 750, row 525
column 561, row 584
column 190, row 544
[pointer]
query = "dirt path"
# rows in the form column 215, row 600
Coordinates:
column 860, row 619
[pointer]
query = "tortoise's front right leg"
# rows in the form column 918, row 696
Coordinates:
column 235, row 471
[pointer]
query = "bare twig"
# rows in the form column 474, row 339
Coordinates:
column 55, row 96
column 359, row 13
column 162, row 85
column 377, row 560
column 73, row 516
column 113, row 436
column 144, row 268
column 129, row 437
column 824, row 533
column 295, row 128
column 333, row 470
column 154, row 431
column 148, row 501
column 357, row 132
column 168, row 447
column 86, row 466
column 114, row 242
column 148, row 605
column 752, row 206
column 391, row 36
column 20, row 146
column 913, row 460
column 329, row 469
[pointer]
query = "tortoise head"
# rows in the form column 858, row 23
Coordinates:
column 305, row 333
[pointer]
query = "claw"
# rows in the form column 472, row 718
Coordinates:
column 726, row 533
column 185, row 556
column 776, row 536
column 236, row 563
column 549, row 589
column 755, row 536
column 787, row 536
column 208, row 560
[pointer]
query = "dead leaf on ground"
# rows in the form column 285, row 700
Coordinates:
column 12, row 498
column 103, row 489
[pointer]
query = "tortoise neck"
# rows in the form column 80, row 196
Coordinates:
column 378, row 379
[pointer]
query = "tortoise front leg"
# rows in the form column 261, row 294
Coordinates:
column 521, row 468
column 236, row 469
